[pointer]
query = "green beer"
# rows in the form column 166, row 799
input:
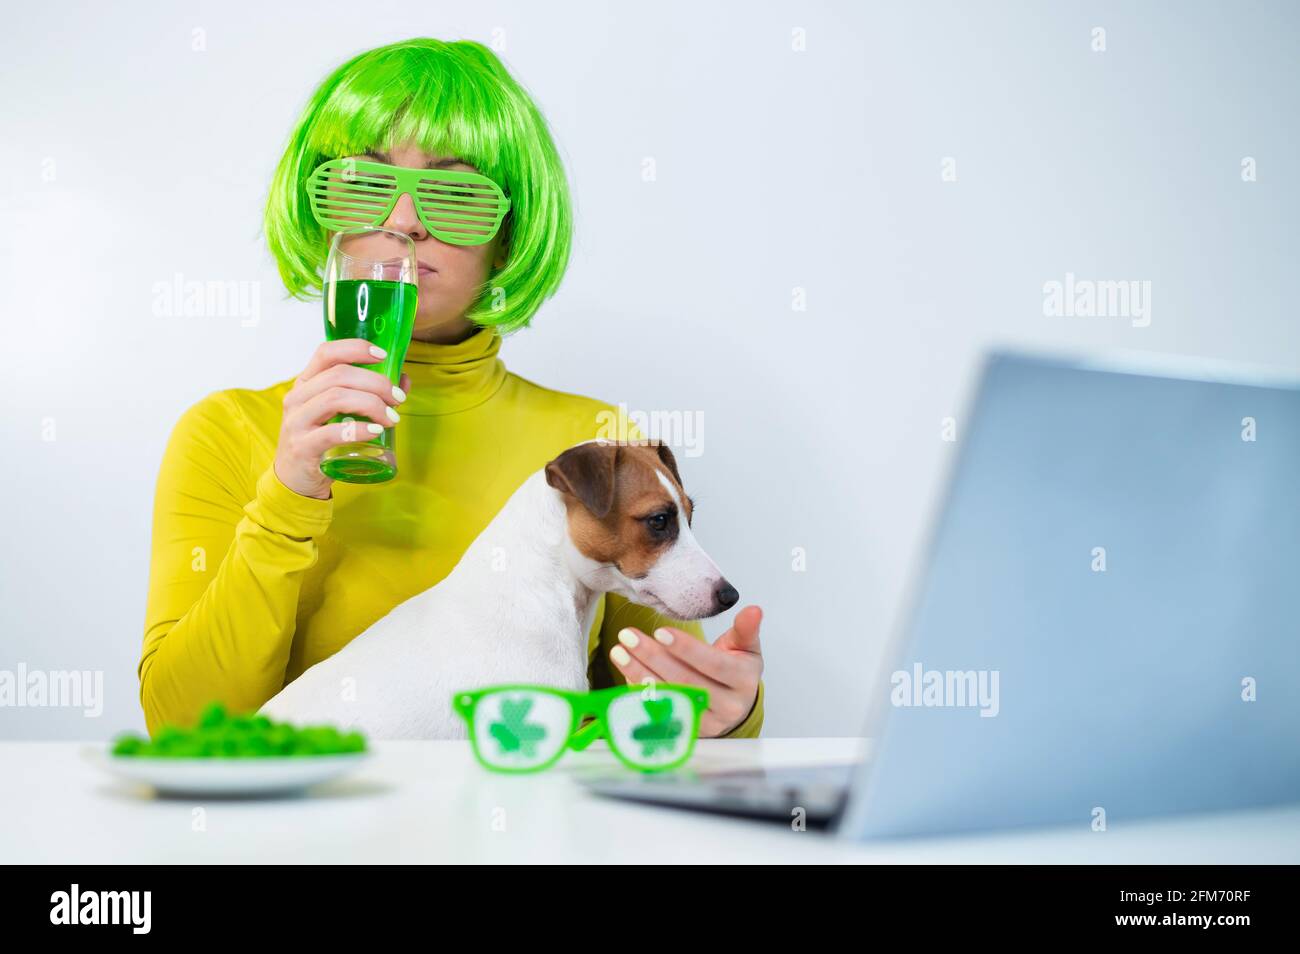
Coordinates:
column 381, row 312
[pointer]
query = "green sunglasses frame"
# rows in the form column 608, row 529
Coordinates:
column 373, row 188
column 595, row 704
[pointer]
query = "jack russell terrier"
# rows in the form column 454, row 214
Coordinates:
column 603, row 517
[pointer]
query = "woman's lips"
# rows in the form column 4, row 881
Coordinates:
column 427, row 270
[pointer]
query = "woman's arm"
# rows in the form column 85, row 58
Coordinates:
column 621, row 613
column 225, row 570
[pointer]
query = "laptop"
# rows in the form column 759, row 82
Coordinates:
column 1104, row 626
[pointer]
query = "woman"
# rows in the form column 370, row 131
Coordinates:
column 261, row 566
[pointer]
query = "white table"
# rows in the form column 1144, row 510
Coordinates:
column 431, row 802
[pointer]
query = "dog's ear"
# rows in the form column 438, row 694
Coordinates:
column 587, row 472
column 666, row 456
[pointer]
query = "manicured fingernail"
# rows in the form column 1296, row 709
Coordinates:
column 392, row 415
column 399, row 394
column 620, row 655
column 664, row 636
column 375, row 428
column 378, row 352
column 628, row 638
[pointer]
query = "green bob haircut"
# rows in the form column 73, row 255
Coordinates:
column 450, row 99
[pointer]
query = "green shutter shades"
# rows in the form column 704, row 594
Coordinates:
column 460, row 208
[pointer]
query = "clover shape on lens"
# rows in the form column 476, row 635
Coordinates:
column 514, row 733
column 662, row 731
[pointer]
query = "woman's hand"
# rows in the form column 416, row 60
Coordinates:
column 729, row 669
column 330, row 385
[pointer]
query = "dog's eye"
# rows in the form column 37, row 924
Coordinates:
column 661, row 525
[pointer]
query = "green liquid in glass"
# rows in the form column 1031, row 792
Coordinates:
column 381, row 312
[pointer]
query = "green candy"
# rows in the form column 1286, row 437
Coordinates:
column 220, row 735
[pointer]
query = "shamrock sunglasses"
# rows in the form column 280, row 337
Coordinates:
column 461, row 208
column 525, row 728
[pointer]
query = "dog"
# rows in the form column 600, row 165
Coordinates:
column 602, row 517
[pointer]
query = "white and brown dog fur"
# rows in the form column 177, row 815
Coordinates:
column 602, row 517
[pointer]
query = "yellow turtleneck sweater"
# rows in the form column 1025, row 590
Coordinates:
column 251, row 584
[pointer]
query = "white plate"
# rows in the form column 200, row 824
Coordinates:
column 228, row 777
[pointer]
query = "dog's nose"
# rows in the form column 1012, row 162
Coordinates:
column 726, row 595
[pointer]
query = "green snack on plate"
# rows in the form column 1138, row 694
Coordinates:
column 220, row 735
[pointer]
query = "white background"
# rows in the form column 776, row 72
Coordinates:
column 128, row 157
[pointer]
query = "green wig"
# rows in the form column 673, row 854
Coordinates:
column 454, row 99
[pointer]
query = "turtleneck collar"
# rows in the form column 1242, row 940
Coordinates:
column 446, row 378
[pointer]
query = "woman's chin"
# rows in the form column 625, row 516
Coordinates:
column 444, row 330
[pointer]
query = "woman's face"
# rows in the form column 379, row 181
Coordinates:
column 451, row 276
